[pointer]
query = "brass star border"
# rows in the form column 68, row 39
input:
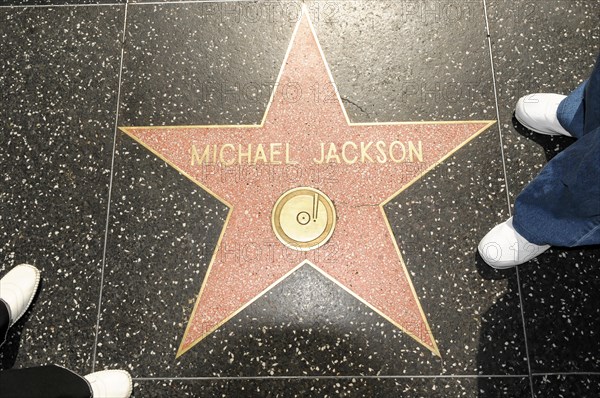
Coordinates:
column 372, row 268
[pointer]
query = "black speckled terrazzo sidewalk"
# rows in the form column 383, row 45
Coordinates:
column 125, row 241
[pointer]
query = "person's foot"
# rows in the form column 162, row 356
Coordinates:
column 538, row 113
column 503, row 247
column 17, row 289
column 110, row 384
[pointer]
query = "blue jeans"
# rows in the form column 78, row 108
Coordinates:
column 561, row 206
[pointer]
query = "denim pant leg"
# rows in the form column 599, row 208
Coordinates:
column 561, row 206
column 592, row 100
column 571, row 111
column 579, row 113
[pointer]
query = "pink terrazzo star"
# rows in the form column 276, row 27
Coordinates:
column 306, row 139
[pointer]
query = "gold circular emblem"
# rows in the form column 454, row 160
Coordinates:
column 303, row 218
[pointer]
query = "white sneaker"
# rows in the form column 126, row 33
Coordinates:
column 538, row 112
column 17, row 289
column 503, row 247
column 110, row 384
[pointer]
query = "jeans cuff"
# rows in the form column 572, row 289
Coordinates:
column 525, row 233
column 560, row 113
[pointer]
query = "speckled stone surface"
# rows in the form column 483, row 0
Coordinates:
column 190, row 64
column 305, row 326
column 200, row 63
column 563, row 318
column 421, row 72
column 328, row 388
column 59, row 2
column 474, row 310
column 548, row 47
column 157, row 254
column 567, row 386
column 55, row 170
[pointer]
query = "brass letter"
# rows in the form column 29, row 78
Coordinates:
column 382, row 157
column 332, row 153
column 363, row 151
column 260, row 154
column 196, row 159
column 275, row 152
column 287, row 155
column 222, row 159
column 347, row 144
column 247, row 155
column 417, row 152
column 322, row 154
column 394, row 143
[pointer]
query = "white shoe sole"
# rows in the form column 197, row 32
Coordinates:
column 552, row 134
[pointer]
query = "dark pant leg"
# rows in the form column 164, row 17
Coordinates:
column 43, row 382
column 4, row 322
column 561, row 206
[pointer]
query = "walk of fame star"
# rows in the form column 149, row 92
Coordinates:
column 306, row 187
